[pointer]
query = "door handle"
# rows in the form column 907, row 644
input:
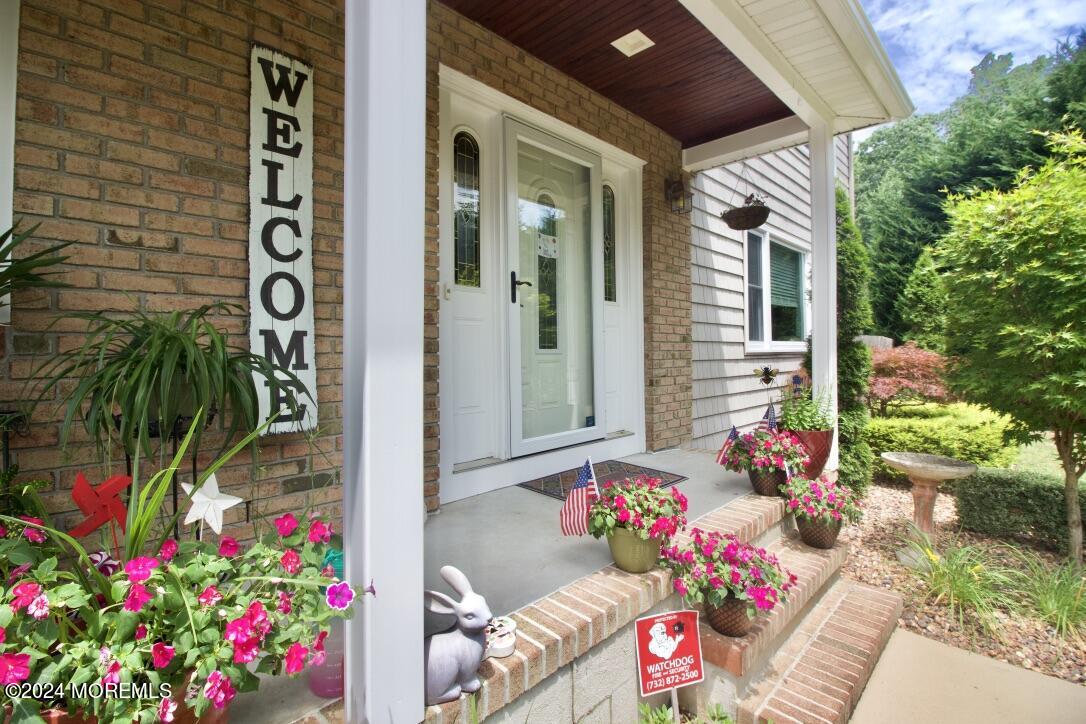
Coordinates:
column 513, row 284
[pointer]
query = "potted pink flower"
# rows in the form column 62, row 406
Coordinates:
column 157, row 629
column 734, row 581
column 637, row 517
column 821, row 507
column 767, row 456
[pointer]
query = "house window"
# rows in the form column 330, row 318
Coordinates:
column 610, row 286
column 547, row 275
column 466, row 271
column 776, row 294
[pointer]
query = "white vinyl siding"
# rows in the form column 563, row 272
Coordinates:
column 726, row 392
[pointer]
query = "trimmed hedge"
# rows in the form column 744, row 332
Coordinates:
column 960, row 431
column 1016, row 502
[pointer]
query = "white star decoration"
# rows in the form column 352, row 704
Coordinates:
column 208, row 503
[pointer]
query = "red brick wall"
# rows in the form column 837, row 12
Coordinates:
column 459, row 43
column 132, row 142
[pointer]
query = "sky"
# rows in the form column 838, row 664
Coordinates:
column 934, row 43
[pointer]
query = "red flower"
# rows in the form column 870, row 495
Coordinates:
column 161, row 655
column 140, row 569
column 138, row 595
column 295, row 658
column 141, row 632
column 24, row 593
column 319, row 532
column 286, row 524
column 14, row 668
column 318, row 649
column 209, row 596
column 291, row 562
column 228, row 546
column 219, row 690
column 168, row 550
column 33, row 535
column 284, row 603
column 113, row 674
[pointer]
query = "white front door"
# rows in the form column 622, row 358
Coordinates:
column 555, row 290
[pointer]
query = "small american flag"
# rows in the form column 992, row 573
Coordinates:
column 769, row 420
column 722, row 456
column 574, row 514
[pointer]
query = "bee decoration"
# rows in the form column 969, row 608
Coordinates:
column 766, row 375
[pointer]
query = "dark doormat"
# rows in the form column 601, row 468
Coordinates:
column 558, row 485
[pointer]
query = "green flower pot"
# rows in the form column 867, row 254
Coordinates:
column 631, row 553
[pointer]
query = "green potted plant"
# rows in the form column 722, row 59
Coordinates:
column 177, row 628
column 766, row 455
column 820, row 506
column 808, row 417
column 733, row 580
column 147, row 372
column 637, row 517
column 26, row 271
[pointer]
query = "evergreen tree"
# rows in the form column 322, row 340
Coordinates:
column 922, row 305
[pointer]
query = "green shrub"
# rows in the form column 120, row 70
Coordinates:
column 1016, row 502
column 854, row 461
column 960, row 431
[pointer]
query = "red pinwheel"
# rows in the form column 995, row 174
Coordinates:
column 100, row 504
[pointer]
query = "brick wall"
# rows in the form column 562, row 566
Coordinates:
column 132, row 142
column 461, row 44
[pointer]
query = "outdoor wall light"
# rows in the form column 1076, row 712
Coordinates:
column 679, row 194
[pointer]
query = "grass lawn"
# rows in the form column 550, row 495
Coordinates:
column 1040, row 457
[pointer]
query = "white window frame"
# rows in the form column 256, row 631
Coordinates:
column 9, row 69
column 768, row 345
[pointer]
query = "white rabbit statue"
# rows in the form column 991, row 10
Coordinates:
column 453, row 656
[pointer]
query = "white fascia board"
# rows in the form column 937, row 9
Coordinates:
column 746, row 41
column 756, row 141
column 853, row 28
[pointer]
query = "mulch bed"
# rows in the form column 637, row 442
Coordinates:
column 1020, row 641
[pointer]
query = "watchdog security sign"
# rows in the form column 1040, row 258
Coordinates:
column 281, row 324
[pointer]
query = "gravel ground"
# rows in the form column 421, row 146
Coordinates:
column 1020, row 640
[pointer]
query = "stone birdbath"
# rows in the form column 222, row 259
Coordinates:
column 925, row 473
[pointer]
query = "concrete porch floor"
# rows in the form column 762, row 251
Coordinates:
column 509, row 545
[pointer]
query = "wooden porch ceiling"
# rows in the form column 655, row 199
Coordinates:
column 688, row 83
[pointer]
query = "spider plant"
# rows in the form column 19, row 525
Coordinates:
column 155, row 370
column 27, row 272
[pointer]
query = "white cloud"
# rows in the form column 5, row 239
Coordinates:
column 934, row 43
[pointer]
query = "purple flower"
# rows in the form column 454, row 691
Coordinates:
column 339, row 596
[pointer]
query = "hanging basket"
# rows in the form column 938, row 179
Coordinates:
column 752, row 214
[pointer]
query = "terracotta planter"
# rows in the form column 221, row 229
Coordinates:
column 730, row 618
column 631, row 553
column 767, row 481
column 818, row 533
column 818, row 443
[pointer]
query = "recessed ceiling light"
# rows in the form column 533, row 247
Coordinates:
column 633, row 43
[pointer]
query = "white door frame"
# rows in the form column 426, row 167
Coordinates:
column 620, row 168
column 517, row 132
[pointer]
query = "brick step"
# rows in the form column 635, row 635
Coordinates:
column 751, row 517
column 813, row 569
column 820, row 671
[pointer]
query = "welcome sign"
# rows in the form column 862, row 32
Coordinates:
column 281, row 324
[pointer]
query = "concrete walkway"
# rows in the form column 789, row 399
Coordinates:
column 921, row 680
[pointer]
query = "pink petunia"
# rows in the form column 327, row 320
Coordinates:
column 680, row 587
column 34, row 535
column 258, row 618
column 286, row 524
column 318, row 649
column 291, row 561
column 320, row 532
column 209, row 596
column 339, row 596
column 166, row 709
column 161, row 655
column 623, row 515
column 295, row 658
column 24, row 593
column 141, row 632
column 138, row 596
column 18, row 571
column 3, row 634
column 14, row 668
column 219, row 690
column 228, row 546
column 39, row 607
column 620, row 501
column 140, row 569
column 284, row 602
column 168, row 550
column 113, row 674
column 736, row 576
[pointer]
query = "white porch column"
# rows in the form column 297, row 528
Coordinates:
column 384, row 189
column 824, row 269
